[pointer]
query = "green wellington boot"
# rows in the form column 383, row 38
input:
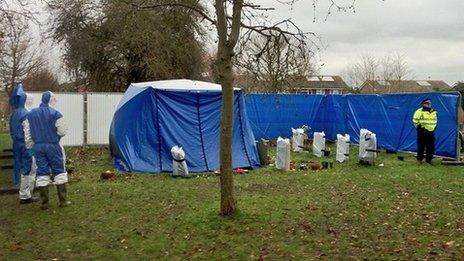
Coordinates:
column 44, row 196
column 63, row 195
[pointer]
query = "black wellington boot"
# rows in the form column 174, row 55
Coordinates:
column 63, row 195
column 44, row 197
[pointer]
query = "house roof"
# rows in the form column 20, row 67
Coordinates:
column 406, row 86
column 322, row 82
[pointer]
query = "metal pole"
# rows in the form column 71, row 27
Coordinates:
column 458, row 142
column 85, row 118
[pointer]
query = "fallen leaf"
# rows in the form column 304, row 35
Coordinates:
column 448, row 244
column 16, row 247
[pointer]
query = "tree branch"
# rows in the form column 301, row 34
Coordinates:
column 221, row 23
column 236, row 22
column 200, row 12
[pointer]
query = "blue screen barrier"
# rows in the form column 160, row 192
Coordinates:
column 388, row 115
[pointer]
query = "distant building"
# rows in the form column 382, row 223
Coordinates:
column 321, row 84
column 378, row 86
column 318, row 84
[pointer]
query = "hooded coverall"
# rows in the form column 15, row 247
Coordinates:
column 24, row 163
column 43, row 129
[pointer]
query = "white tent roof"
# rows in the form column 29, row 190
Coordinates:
column 170, row 85
column 181, row 84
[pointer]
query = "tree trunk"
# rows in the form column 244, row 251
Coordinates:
column 226, row 45
column 227, row 180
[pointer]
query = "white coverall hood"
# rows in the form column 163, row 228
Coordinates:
column 29, row 101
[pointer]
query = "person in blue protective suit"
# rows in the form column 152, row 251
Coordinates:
column 43, row 130
column 24, row 163
column 17, row 101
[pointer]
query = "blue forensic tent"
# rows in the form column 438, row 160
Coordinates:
column 152, row 117
column 389, row 116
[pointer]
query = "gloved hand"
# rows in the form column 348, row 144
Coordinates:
column 29, row 152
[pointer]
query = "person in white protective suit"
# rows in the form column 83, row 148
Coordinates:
column 26, row 189
column 43, row 130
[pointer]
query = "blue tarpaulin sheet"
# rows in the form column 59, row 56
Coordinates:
column 270, row 115
column 389, row 116
column 149, row 122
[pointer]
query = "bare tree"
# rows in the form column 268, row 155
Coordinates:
column 364, row 69
column 394, row 68
column 20, row 55
column 10, row 8
column 42, row 80
column 390, row 68
column 272, row 66
column 18, row 8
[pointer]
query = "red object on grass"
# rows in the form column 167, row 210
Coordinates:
column 240, row 171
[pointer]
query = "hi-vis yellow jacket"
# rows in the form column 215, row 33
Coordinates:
column 427, row 119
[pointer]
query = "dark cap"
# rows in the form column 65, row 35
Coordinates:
column 426, row 100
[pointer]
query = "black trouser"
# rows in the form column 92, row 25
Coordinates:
column 425, row 141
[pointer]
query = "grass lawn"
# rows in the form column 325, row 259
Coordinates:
column 400, row 211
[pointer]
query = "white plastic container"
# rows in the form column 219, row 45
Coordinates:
column 283, row 154
column 298, row 138
column 343, row 147
column 367, row 146
column 319, row 144
column 179, row 166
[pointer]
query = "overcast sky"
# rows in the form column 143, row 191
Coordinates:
column 430, row 33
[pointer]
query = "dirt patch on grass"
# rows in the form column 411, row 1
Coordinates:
column 4, row 222
column 259, row 187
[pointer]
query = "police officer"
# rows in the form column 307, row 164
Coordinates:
column 425, row 122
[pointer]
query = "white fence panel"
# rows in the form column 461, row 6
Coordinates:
column 71, row 105
column 100, row 111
